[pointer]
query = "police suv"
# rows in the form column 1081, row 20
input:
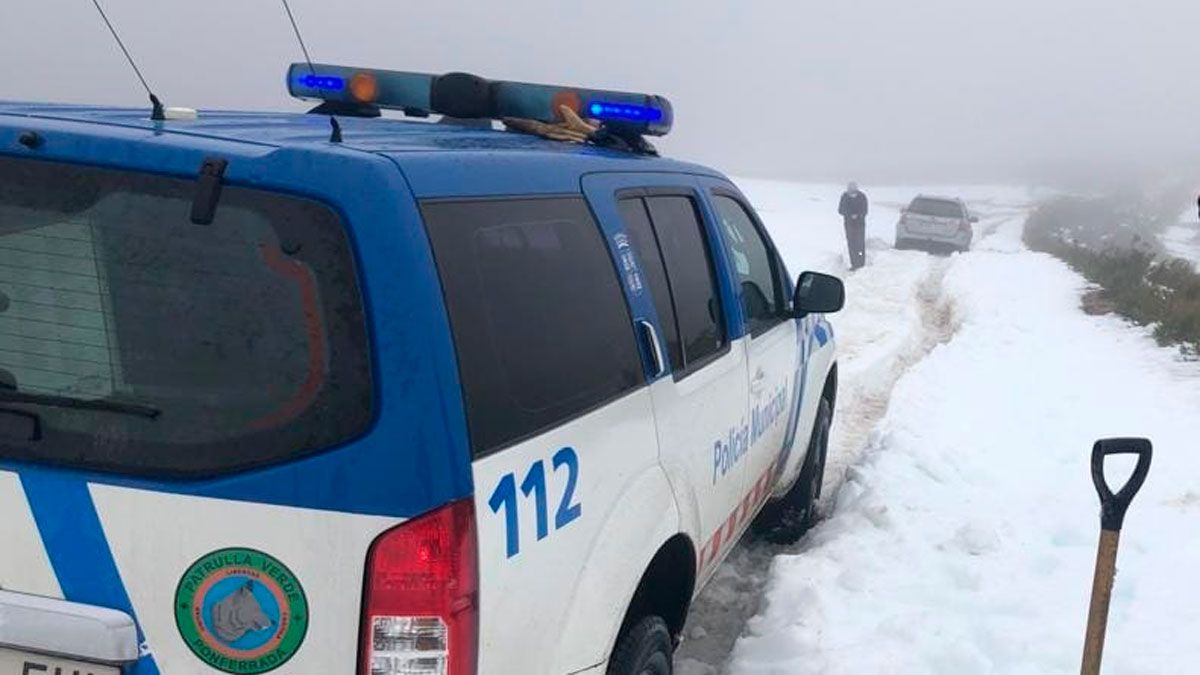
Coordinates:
column 319, row 393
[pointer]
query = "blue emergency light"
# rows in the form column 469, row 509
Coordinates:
column 468, row 96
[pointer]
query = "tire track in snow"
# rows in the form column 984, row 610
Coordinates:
column 856, row 418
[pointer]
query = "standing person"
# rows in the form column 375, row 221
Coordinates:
column 853, row 209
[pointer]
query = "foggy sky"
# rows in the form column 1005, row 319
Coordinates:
column 836, row 89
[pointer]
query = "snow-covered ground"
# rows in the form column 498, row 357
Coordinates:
column 1182, row 240
column 960, row 520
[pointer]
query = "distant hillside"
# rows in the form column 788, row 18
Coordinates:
column 1114, row 241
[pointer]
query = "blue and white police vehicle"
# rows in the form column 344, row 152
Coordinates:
column 398, row 397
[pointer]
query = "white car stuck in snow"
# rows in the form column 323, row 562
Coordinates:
column 935, row 222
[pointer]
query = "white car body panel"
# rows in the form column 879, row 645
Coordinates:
column 155, row 537
column 528, row 598
column 816, row 361
column 30, row 571
column 771, row 366
column 697, row 416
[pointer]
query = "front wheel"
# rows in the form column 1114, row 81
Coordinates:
column 643, row 649
column 786, row 520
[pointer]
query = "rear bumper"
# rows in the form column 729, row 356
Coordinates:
column 67, row 629
column 958, row 238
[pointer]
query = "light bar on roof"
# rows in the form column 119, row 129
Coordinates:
column 360, row 86
column 469, row 96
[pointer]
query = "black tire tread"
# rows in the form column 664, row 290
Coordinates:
column 639, row 642
column 786, row 521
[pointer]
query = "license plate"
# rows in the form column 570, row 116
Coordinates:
column 934, row 227
column 13, row 662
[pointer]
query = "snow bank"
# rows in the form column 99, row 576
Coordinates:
column 963, row 541
column 1182, row 240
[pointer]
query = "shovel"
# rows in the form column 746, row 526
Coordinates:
column 1112, row 515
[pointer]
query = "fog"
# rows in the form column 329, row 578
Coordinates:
column 867, row 89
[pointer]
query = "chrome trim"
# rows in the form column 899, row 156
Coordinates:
column 67, row 629
column 660, row 365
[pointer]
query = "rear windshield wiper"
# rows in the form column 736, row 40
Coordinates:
column 10, row 395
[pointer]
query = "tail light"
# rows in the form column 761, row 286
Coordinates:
column 420, row 606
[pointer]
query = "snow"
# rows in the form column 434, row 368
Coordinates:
column 961, row 521
column 1182, row 240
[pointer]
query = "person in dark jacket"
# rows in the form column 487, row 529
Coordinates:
column 853, row 209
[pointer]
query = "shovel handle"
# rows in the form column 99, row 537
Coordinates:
column 1114, row 505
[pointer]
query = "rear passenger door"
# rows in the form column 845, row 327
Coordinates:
column 772, row 350
column 560, row 421
column 700, row 397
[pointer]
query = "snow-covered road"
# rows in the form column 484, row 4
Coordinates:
column 960, row 524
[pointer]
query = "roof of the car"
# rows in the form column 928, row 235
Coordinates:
column 938, row 198
column 412, row 144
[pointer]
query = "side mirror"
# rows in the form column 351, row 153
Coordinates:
column 973, row 219
column 818, row 293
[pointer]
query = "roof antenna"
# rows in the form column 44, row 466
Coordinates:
column 157, row 113
column 335, row 134
column 307, row 59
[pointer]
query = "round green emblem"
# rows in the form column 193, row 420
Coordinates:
column 241, row 611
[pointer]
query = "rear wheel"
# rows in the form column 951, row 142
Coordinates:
column 786, row 520
column 643, row 649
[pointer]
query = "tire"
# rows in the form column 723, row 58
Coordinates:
column 643, row 649
column 787, row 520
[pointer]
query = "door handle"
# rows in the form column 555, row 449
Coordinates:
column 650, row 337
column 756, row 384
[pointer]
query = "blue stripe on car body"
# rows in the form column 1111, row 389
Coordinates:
column 83, row 563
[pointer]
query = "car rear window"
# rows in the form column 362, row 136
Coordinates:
column 940, row 208
column 540, row 323
column 142, row 343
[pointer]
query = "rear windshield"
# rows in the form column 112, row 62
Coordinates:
column 935, row 207
column 133, row 340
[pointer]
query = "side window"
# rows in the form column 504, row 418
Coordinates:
column 693, row 281
column 645, row 243
column 539, row 319
column 754, row 264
